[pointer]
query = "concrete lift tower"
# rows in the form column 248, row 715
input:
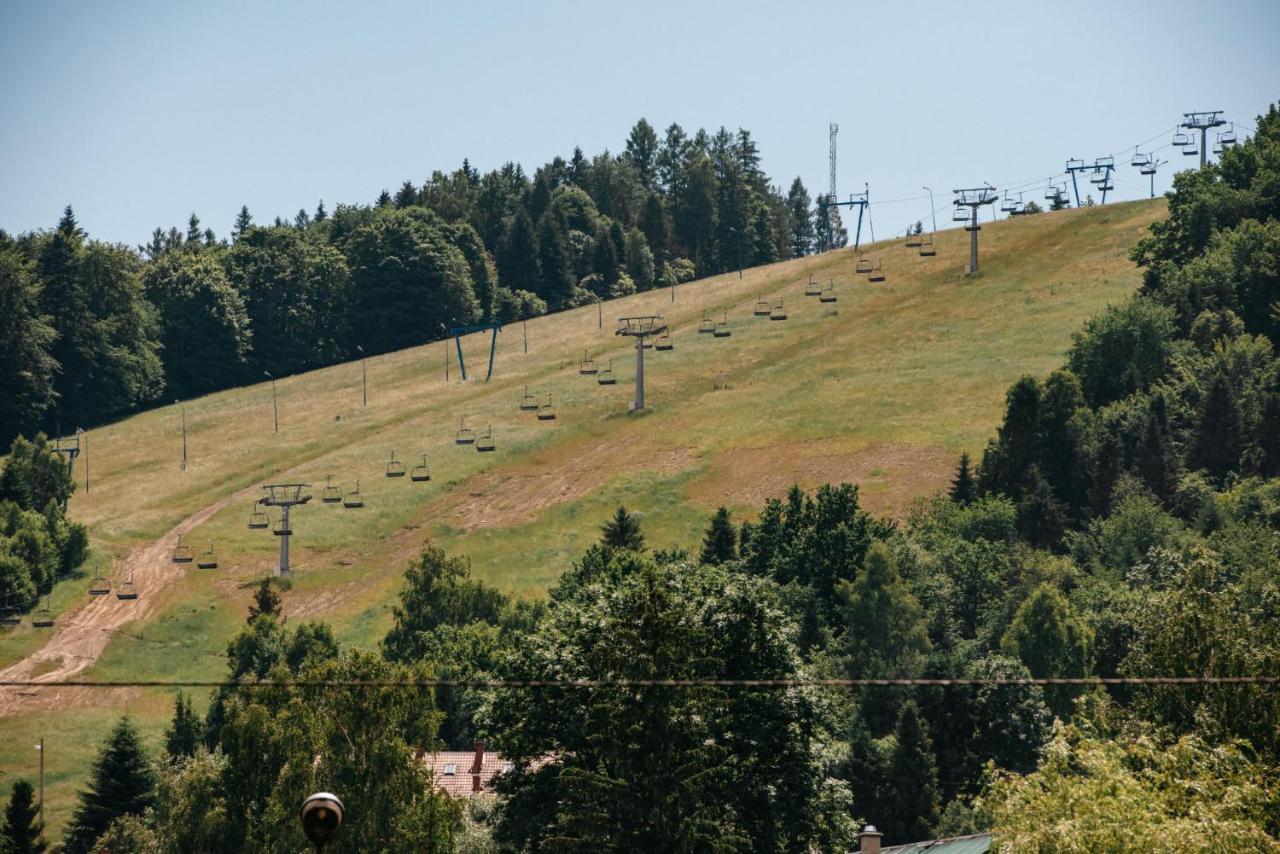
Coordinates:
column 974, row 198
column 284, row 496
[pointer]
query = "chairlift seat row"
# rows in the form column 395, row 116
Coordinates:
column 547, row 412
column 587, row 367
column 42, row 618
column 465, row 435
column 420, row 473
column 664, row 342
column 182, row 553
column 812, row 289
column 207, row 559
column 706, row 324
column 395, row 468
column 484, row 443
column 778, row 312
column 352, row 499
column 528, row 403
column 99, row 586
column 258, row 520
column 331, row 494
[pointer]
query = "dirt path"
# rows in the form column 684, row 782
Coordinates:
column 81, row 635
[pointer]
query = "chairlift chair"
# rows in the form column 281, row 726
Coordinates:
column 864, row 264
column 395, row 468
column 1107, row 187
column 1098, row 176
column 207, row 559
column 42, row 617
column 1149, row 169
column 10, row 614
column 547, row 412
column 1050, row 193
column 258, row 520
column 421, row 473
column 465, row 435
column 331, row 494
column 828, row 293
column 1139, row 159
column 1008, row 205
column 778, row 312
column 587, row 367
column 959, row 215
column 762, row 308
column 663, row 342
column 914, row 241
column 528, row 403
column 928, row 249
column 99, row 585
column 484, row 443
column 1191, row 148
column 1228, row 136
column 182, row 553
column 722, row 328
column 706, row 324
column 353, row 499
column 127, row 589
column 1180, row 139
column 877, row 275
column 812, row 289
column 607, row 377
column 281, row 528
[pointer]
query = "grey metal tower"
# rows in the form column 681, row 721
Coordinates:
column 284, row 496
column 1202, row 122
column 640, row 328
column 974, row 198
column 832, row 130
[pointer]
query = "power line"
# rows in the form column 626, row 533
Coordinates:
column 1084, row 681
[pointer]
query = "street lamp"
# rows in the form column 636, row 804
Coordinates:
column 738, row 234
column 178, row 403
column 932, row 212
column 364, row 381
column 445, row 330
column 40, row 750
column 275, row 412
column 82, row 439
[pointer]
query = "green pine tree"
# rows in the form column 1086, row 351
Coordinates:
column 554, row 270
column 1216, row 441
column 911, row 800
column 21, row 831
column 407, row 195
column 1156, row 460
column 623, row 531
column 1040, row 515
column 266, row 601
column 383, row 201
column 720, row 544
column 242, row 224
column 963, row 489
column 121, row 783
column 186, row 730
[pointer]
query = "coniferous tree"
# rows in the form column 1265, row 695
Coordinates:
column 642, row 153
column 194, row 234
column 242, row 223
column 911, row 798
column 266, row 601
column 120, row 783
column 720, row 544
column 799, row 205
column 554, row 270
column 623, row 531
column 20, row 833
column 1216, row 440
column 1156, row 459
column 407, row 195
column 963, row 489
column 186, row 730
column 383, row 201
column 1040, row 515
column 1008, row 458
column 655, row 228
column 517, row 254
column 321, row 214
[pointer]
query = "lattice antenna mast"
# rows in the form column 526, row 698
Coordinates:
column 640, row 327
column 833, row 129
column 974, row 198
column 1202, row 122
column 284, row 496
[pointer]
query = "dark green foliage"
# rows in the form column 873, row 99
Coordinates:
column 1156, row 458
column 35, row 475
column 120, row 783
column 658, row 768
column 799, row 206
column 1051, row 639
column 1123, row 350
column 186, row 730
column 266, row 601
column 204, row 326
column 1217, row 437
column 517, row 254
column 1041, row 517
column 555, row 272
column 622, row 531
column 20, row 833
column 963, row 489
column 720, row 545
column 1008, row 459
column 910, row 792
column 26, row 366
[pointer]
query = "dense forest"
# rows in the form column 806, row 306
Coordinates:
column 1125, row 521
column 90, row 331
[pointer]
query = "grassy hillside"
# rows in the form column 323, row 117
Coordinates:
column 883, row 388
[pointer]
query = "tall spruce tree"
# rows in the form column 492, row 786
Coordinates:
column 186, row 730
column 911, row 798
column 555, row 272
column 799, row 205
column 1156, row 458
column 1216, row 440
column 120, row 783
column 720, row 544
column 27, row 369
column 622, row 531
column 266, row 601
column 517, row 254
column 963, row 489
column 20, row 833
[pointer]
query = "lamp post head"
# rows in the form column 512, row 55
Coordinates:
column 361, row 349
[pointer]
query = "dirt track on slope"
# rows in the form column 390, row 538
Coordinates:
column 81, row 635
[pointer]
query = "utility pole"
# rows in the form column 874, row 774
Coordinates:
column 40, row 750
column 1202, row 122
column 933, row 212
column 178, row 403
column 275, row 412
column 974, row 198
column 525, row 326
column 364, row 380
column 83, row 436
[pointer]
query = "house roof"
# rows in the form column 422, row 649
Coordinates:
column 454, row 772
column 979, row 843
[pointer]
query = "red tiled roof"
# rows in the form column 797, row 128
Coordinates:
column 465, row 779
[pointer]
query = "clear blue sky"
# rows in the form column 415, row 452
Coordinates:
column 140, row 113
